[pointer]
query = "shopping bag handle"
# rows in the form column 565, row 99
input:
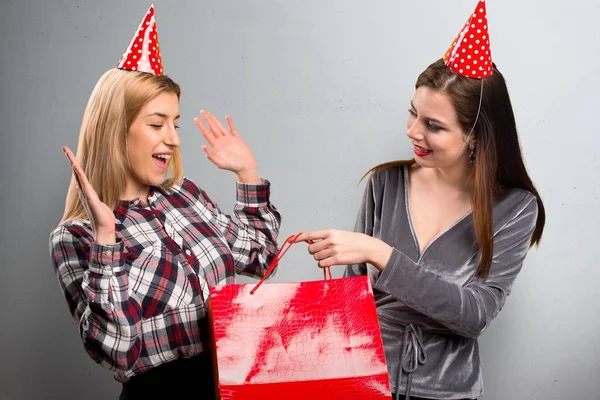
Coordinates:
column 282, row 250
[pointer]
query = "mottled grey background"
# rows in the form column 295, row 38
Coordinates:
column 320, row 91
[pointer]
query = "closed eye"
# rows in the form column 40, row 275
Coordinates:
column 433, row 127
column 156, row 126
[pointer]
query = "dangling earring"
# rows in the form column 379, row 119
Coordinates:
column 472, row 154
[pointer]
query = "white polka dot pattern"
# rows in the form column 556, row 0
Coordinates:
column 463, row 56
column 143, row 53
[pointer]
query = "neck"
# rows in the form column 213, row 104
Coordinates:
column 458, row 176
column 135, row 190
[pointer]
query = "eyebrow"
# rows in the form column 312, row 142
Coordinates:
column 162, row 115
column 428, row 118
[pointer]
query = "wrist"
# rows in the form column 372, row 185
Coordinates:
column 380, row 254
column 249, row 176
column 105, row 238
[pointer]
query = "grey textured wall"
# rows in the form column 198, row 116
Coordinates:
column 319, row 89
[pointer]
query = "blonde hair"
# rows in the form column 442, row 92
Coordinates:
column 116, row 100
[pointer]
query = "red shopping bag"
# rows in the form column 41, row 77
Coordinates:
column 315, row 340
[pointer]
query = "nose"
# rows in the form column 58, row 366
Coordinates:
column 171, row 138
column 414, row 130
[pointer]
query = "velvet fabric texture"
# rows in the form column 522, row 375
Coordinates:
column 431, row 305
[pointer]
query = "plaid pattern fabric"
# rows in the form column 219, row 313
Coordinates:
column 141, row 302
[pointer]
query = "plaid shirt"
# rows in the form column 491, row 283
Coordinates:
column 141, row 302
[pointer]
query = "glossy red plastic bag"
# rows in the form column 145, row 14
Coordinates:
column 315, row 340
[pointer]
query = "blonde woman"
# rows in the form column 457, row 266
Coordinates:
column 139, row 244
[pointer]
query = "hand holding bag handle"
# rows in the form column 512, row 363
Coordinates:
column 284, row 248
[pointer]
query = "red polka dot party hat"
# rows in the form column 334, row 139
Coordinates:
column 470, row 55
column 143, row 53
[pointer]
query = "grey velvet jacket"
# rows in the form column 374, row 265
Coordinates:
column 432, row 306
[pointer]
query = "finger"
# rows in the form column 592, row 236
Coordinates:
column 232, row 128
column 323, row 254
column 73, row 161
column 208, row 136
column 84, row 184
column 214, row 127
column 211, row 126
column 206, row 132
column 301, row 237
column 316, row 235
column 76, row 177
column 70, row 156
column 326, row 263
column 319, row 246
column 74, row 164
column 221, row 127
column 331, row 261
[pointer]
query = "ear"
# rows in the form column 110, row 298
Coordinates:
column 469, row 139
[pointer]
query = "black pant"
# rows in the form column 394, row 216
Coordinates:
column 173, row 380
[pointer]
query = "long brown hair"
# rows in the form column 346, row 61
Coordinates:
column 499, row 164
column 113, row 105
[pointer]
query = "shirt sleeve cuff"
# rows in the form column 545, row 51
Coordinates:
column 253, row 195
column 106, row 259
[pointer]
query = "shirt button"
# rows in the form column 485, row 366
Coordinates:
column 188, row 252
